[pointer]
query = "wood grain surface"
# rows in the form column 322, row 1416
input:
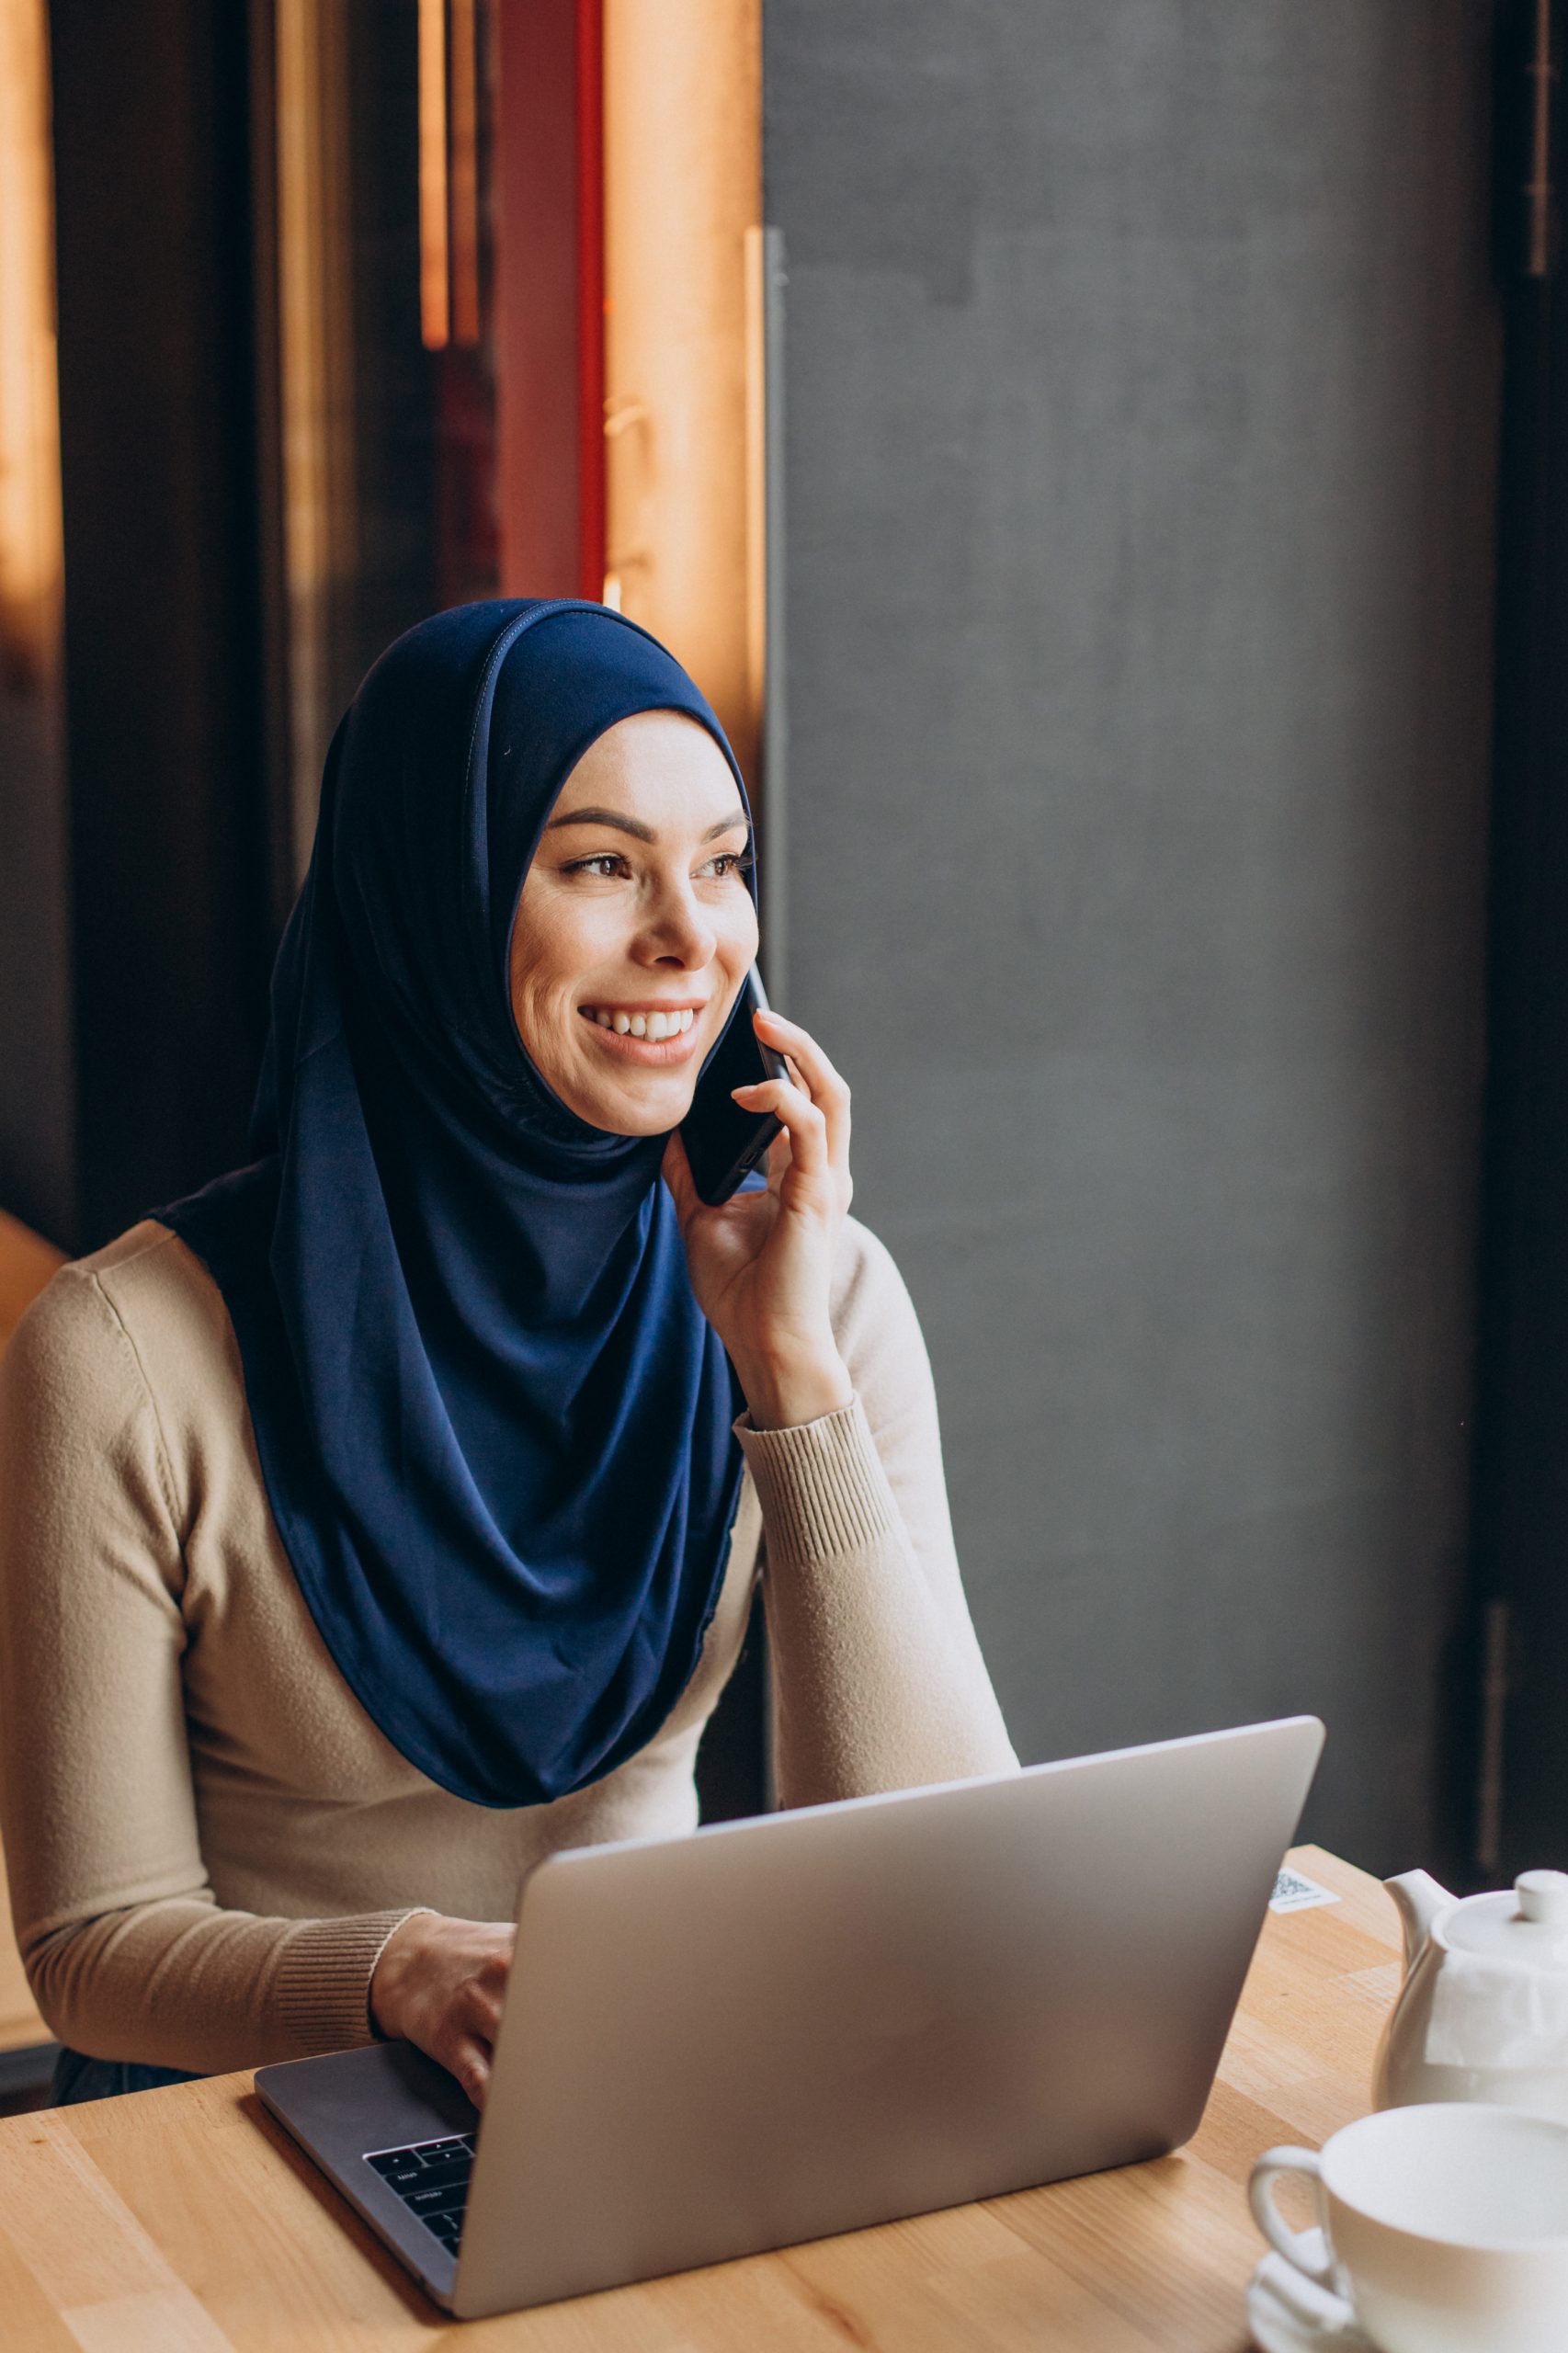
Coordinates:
column 184, row 2222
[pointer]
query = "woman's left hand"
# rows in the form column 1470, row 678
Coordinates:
column 762, row 1262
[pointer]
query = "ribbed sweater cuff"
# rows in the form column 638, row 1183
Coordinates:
column 322, row 1991
column 821, row 1485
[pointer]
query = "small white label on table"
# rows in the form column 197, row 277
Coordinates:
column 1293, row 1892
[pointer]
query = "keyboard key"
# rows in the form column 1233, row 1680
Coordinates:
column 432, row 2178
column 440, row 2177
column 406, row 2175
column 451, row 2201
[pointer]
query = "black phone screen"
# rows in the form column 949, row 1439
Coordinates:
column 723, row 1143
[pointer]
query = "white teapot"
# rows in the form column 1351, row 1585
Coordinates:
column 1484, row 2011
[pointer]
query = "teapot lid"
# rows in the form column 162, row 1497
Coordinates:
column 1528, row 1924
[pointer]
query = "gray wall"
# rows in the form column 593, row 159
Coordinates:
column 1141, row 372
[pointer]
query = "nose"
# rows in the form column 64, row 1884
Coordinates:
column 677, row 932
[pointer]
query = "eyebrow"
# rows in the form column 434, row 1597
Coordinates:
column 634, row 826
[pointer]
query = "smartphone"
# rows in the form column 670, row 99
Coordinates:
column 723, row 1143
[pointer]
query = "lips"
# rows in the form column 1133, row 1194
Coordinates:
column 652, row 1036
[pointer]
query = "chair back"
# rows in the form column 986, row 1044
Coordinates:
column 27, row 1262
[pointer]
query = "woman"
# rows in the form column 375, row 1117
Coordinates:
column 387, row 1516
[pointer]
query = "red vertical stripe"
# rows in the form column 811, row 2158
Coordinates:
column 591, row 297
column 537, row 327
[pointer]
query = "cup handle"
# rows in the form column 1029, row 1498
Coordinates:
column 1292, row 2245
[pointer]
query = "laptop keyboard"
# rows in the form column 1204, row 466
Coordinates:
column 431, row 2178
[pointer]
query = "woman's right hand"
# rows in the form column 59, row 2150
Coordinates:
column 440, row 1984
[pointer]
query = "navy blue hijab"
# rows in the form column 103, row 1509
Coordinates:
column 494, row 1424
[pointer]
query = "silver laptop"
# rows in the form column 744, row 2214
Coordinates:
column 776, row 2029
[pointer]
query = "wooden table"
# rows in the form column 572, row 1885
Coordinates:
column 184, row 2222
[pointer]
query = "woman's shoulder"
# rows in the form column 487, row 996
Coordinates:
column 142, row 1313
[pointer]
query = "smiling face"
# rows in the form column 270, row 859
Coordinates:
column 634, row 927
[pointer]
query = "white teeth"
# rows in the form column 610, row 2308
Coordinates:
column 653, row 1026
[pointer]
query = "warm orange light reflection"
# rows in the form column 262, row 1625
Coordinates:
column 315, row 295
column 757, row 472
column 434, row 274
column 31, row 564
column 683, row 204
column 465, row 173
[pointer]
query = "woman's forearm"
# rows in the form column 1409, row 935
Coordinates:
column 180, row 1983
column 878, row 1682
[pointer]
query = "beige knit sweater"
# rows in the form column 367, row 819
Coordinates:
column 208, row 1840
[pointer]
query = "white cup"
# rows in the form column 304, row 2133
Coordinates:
column 1446, row 2227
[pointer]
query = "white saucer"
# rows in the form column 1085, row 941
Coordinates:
column 1288, row 2315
